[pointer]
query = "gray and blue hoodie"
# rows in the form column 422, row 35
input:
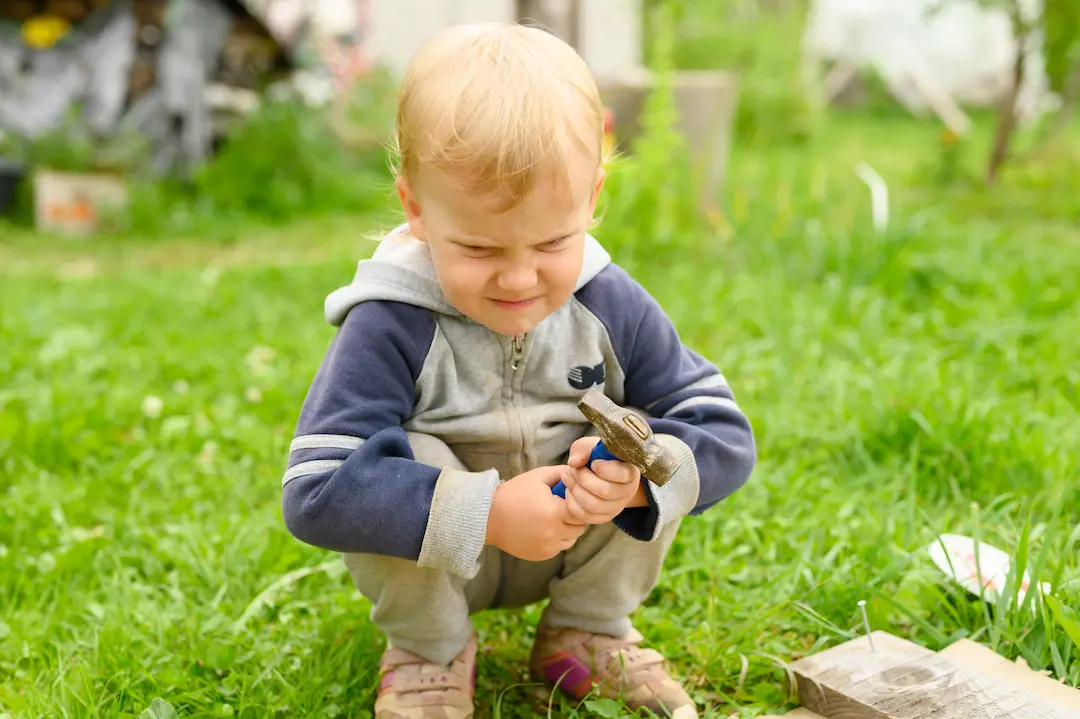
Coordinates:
column 404, row 360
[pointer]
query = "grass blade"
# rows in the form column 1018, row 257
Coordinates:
column 1070, row 625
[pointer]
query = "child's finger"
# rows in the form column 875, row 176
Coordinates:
column 571, row 523
column 615, row 471
column 596, row 486
column 555, row 474
column 574, row 507
column 593, row 506
column 580, row 451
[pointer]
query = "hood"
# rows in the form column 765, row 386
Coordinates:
column 401, row 270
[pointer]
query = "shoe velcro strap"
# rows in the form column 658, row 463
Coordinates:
column 434, row 681
column 635, row 658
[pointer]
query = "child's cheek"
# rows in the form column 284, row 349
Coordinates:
column 470, row 276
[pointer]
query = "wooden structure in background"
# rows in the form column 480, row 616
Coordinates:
column 610, row 36
column 249, row 58
column 901, row 680
column 705, row 103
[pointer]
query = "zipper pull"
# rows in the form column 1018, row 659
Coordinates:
column 517, row 345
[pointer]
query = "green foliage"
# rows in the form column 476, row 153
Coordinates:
column 1061, row 25
column 158, row 709
column 279, row 164
column 762, row 47
column 650, row 194
column 73, row 147
column 283, row 163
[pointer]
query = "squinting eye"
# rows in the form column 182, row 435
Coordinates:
column 555, row 244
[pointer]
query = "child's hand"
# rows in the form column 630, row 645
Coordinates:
column 598, row 495
column 528, row 521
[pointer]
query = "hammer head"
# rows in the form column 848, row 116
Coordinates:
column 629, row 437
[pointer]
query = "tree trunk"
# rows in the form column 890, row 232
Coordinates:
column 1007, row 112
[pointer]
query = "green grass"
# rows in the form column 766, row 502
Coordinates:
column 901, row 385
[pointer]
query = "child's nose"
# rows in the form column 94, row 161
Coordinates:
column 517, row 279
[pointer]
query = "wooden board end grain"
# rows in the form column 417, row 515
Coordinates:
column 901, row 680
column 984, row 659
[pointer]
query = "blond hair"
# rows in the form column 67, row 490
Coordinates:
column 495, row 108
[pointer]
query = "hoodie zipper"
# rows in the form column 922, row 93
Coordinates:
column 517, row 355
column 517, row 360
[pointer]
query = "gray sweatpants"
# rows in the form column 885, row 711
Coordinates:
column 593, row 586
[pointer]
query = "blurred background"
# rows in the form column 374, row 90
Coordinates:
column 866, row 212
column 144, row 117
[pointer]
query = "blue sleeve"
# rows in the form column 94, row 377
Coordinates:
column 351, row 483
column 689, row 403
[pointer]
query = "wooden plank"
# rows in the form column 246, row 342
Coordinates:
column 901, row 680
column 986, row 660
column 705, row 104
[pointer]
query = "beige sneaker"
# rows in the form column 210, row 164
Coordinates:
column 577, row 662
column 411, row 687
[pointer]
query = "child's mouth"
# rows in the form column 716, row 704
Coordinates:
column 515, row 305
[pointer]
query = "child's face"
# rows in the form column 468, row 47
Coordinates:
column 507, row 271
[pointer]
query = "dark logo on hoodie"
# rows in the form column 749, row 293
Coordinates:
column 583, row 377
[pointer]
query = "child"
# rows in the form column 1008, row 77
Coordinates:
column 445, row 410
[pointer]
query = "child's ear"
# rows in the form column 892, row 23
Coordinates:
column 411, row 207
column 597, row 186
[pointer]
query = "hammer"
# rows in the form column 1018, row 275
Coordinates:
column 624, row 436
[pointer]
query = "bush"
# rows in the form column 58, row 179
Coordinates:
column 1061, row 20
column 286, row 161
column 762, row 47
column 650, row 199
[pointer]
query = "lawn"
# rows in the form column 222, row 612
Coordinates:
column 902, row 384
